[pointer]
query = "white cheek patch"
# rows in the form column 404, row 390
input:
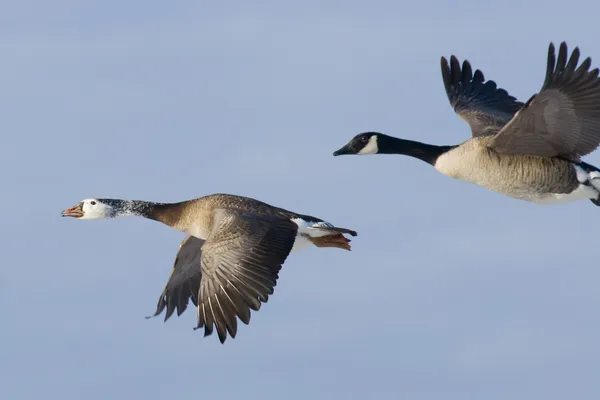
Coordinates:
column 371, row 147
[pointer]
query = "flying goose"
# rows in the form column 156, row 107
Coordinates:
column 529, row 151
column 231, row 259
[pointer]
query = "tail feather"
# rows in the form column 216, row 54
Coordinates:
column 593, row 179
column 335, row 229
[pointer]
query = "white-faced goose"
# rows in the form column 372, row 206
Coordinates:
column 528, row 151
column 230, row 262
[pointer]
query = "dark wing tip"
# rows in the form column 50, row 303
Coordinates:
column 467, row 72
column 561, row 62
column 563, row 69
column 455, row 69
column 160, row 306
column 550, row 64
column 573, row 60
column 222, row 333
column 446, row 76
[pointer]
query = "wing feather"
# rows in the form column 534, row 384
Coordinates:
column 184, row 282
column 240, row 262
column 484, row 106
column 563, row 118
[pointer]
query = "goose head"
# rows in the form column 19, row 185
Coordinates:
column 361, row 144
column 90, row 209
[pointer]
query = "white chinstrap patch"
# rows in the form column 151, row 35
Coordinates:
column 372, row 147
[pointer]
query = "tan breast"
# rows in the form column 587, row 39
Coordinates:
column 519, row 176
column 196, row 218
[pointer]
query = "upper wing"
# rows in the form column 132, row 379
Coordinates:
column 484, row 106
column 184, row 282
column 241, row 259
column 563, row 119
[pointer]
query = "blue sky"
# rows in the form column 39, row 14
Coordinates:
column 451, row 291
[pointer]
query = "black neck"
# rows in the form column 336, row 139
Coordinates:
column 423, row 151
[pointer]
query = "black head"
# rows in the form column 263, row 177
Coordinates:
column 363, row 143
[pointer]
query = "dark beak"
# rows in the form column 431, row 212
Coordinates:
column 76, row 211
column 344, row 150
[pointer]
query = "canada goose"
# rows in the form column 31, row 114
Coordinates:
column 231, row 259
column 530, row 151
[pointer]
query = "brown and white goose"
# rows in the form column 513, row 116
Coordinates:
column 230, row 262
column 530, row 151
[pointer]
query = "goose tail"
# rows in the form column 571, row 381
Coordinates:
column 593, row 179
column 323, row 234
column 338, row 241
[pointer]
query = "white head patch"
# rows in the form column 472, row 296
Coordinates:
column 371, row 147
column 95, row 209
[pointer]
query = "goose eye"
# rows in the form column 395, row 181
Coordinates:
column 93, row 203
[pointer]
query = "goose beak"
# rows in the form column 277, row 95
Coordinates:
column 344, row 150
column 76, row 211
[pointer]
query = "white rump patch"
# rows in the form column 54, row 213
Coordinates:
column 371, row 148
column 300, row 243
column 592, row 177
column 582, row 175
column 306, row 229
column 581, row 193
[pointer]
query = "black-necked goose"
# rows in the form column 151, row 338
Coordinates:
column 528, row 151
column 230, row 262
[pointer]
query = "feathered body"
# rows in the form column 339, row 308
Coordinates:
column 530, row 151
column 230, row 262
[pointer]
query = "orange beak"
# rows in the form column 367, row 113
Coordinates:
column 76, row 211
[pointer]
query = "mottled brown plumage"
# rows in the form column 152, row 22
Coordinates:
column 230, row 263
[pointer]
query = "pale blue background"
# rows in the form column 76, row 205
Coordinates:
column 450, row 292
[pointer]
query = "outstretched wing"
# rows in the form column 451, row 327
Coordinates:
column 184, row 283
column 241, row 260
column 563, row 119
column 484, row 106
